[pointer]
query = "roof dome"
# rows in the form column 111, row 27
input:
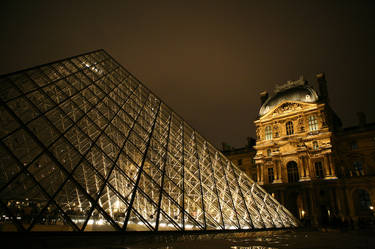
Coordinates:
column 301, row 93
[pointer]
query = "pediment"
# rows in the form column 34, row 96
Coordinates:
column 288, row 107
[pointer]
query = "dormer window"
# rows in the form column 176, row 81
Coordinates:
column 313, row 123
column 289, row 128
column 268, row 132
column 315, row 145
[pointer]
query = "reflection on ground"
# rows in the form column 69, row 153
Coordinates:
column 251, row 247
column 276, row 239
column 291, row 239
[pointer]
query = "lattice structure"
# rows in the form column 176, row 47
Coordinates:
column 85, row 146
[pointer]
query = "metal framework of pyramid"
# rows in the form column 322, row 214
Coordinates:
column 85, row 146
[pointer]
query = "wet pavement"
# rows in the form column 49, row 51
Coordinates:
column 279, row 239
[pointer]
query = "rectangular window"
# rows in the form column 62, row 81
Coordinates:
column 319, row 170
column 315, row 145
column 271, row 176
column 268, row 133
column 313, row 123
column 289, row 128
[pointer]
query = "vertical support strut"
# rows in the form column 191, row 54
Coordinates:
column 140, row 170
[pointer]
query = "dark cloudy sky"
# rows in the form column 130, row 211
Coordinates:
column 208, row 60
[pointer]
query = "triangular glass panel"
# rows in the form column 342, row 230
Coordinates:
column 8, row 90
column 23, row 109
column 22, row 146
column 8, row 167
column 25, row 198
column 74, row 203
column 137, row 222
column 7, row 123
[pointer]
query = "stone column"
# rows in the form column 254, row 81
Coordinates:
column 329, row 167
column 278, row 171
column 333, row 170
column 261, row 182
column 326, row 166
column 308, row 167
column 304, row 167
column 300, row 169
column 275, row 164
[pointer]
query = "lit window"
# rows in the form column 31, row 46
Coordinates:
column 313, row 123
column 319, row 170
column 271, row 177
column 315, row 145
column 268, row 133
column 358, row 168
column 289, row 128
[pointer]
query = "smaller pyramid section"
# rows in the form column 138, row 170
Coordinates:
column 85, row 146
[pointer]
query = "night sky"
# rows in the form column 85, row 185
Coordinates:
column 208, row 60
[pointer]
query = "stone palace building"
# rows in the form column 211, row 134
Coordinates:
column 323, row 173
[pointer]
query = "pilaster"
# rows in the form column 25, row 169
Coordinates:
column 328, row 167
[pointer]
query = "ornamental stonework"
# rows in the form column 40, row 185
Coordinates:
column 287, row 107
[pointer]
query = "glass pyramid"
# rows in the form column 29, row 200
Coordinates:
column 85, row 146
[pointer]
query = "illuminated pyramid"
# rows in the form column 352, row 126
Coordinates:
column 85, row 146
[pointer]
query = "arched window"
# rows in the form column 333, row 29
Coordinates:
column 319, row 170
column 292, row 169
column 268, row 132
column 289, row 128
column 313, row 123
column 271, row 176
column 364, row 199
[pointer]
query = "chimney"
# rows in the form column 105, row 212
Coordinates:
column 323, row 92
column 263, row 97
column 250, row 142
column 361, row 119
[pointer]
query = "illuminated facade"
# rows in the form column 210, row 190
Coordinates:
column 85, row 146
column 322, row 173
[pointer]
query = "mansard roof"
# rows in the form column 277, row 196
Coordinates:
column 292, row 91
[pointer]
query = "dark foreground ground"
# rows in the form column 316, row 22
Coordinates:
column 279, row 239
